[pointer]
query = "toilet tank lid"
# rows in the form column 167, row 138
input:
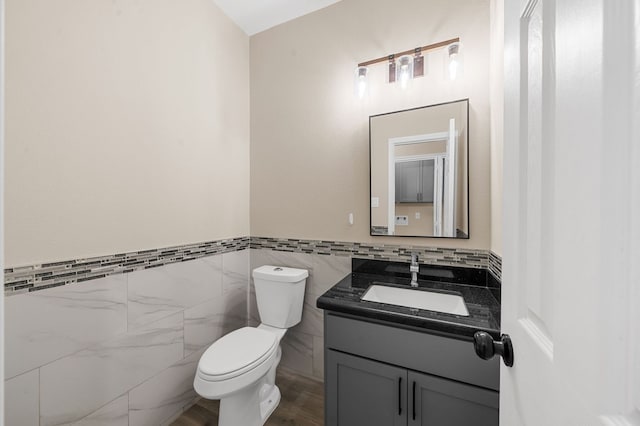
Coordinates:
column 280, row 273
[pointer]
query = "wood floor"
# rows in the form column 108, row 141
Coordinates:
column 301, row 404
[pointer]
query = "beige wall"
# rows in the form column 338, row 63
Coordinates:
column 421, row 226
column 309, row 133
column 497, row 121
column 127, row 127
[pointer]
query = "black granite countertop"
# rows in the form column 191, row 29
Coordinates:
column 484, row 309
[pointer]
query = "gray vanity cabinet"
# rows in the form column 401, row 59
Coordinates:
column 378, row 374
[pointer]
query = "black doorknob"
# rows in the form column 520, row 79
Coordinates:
column 487, row 348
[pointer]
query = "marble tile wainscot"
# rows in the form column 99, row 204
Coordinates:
column 121, row 349
column 141, row 321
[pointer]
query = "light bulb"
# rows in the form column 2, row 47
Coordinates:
column 361, row 81
column 405, row 71
column 453, row 66
column 454, row 61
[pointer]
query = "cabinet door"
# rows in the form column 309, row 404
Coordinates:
column 435, row 401
column 427, row 174
column 408, row 185
column 364, row 392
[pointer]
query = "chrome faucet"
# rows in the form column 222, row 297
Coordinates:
column 414, row 268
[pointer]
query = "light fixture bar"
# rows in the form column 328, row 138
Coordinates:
column 410, row 51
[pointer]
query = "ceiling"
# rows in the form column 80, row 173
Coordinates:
column 254, row 16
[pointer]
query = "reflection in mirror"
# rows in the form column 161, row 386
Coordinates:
column 419, row 171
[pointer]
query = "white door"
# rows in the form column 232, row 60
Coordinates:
column 571, row 252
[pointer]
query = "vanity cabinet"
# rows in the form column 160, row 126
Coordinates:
column 380, row 374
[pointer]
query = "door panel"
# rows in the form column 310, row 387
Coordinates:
column 364, row 392
column 445, row 402
column 571, row 189
column 528, row 191
column 408, row 187
column 426, row 186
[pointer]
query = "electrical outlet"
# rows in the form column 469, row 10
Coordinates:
column 417, row 215
column 402, row 220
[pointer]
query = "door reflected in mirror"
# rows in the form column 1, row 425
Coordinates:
column 419, row 161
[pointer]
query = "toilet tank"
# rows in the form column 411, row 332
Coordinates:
column 280, row 294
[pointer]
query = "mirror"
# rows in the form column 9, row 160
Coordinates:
column 419, row 164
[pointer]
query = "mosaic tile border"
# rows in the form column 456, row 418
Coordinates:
column 495, row 266
column 429, row 255
column 31, row 278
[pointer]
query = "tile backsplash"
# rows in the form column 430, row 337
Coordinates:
column 432, row 255
column 495, row 266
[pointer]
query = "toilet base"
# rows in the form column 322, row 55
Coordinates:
column 246, row 408
column 271, row 401
column 252, row 405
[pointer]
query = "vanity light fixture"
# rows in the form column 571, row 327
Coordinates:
column 404, row 67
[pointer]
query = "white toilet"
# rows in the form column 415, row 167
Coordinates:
column 239, row 369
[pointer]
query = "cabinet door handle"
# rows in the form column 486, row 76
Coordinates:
column 414, row 400
column 399, row 396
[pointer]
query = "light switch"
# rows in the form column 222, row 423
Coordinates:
column 375, row 202
column 417, row 215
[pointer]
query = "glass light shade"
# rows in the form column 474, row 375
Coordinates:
column 361, row 82
column 404, row 70
column 418, row 65
column 454, row 61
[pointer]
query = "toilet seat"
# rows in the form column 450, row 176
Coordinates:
column 237, row 353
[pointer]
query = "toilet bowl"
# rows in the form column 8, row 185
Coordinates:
column 240, row 368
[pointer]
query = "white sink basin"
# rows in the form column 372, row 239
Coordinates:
column 429, row 300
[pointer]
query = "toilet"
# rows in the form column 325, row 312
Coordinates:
column 239, row 369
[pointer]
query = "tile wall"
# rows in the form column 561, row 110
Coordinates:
column 495, row 266
column 29, row 278
column 122, row 348
column 432, row 255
